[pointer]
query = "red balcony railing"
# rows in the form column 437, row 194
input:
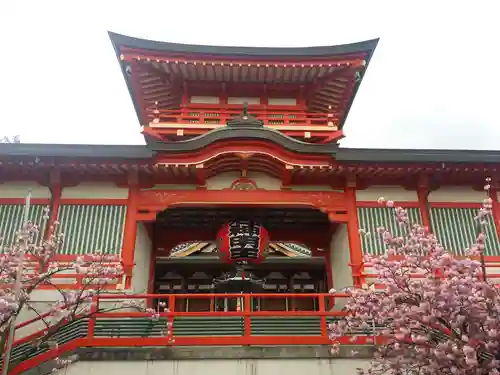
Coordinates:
column 230, row 319
column 196, row 120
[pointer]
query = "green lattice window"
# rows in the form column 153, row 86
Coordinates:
column 456, row 229
column 370, row 218
column 11, row 219
column 88, row 228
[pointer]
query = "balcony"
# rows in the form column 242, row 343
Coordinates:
column 196, row 120
column 231, row 320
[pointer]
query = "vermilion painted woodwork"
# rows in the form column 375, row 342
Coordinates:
column 61, row 201
column 245, row 339
column 495, row 209
column 23, row 201
column 355, row 250
column 454, row 205
column 226, row 147
column 403, row 204
column 187, row 341
column 76, row 171
column 423, row 194
column 130, row 54
column 130, row 230
column 95, row 201
column 150, row 202
column 54, row 208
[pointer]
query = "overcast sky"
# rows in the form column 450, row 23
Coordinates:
column 433, row 81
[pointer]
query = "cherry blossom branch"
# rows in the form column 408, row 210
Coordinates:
column 444, row 322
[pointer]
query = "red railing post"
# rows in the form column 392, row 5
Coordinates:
column 3, row 353
column 199, row 118
column 170, row 318
column 223, row 116
column 321, row 308
column 247, row 324
column 94, row 308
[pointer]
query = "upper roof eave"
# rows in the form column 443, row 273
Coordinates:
column 368, row 47
column 120, row 40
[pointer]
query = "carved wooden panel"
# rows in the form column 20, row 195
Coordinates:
column 330, row 202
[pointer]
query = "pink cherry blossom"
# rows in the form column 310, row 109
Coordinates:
column 37, row 261
column 440, row 315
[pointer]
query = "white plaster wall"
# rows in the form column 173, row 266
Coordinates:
column 142, row 257
column 493, row 271
column 224, row 181
column 456, row 194
column 172, row 187
column 265, row 181
column 340, row 258
column 94, row 190
column 282, row 101
column 218, row 367
column 204, row 100
column 242, row 100
column 313, row 188
column 20, row 189
column 42, row 301
column 394, row 193
column 140, row 272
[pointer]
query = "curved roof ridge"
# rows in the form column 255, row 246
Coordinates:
column 120, row 40
column 242, row 133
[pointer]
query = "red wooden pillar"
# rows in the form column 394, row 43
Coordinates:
column 130, row 230
column 423, row 204
column 223, row 98
column 495, row 207
column 185, row 101
column 355, row 250
column 55, row 199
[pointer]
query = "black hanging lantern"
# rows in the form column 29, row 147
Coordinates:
column 241, row 243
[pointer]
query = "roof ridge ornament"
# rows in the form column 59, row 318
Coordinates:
column 245, row 119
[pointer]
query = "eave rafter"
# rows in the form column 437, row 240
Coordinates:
column 256, row 163
column 325, row 80
column 321, row 82
column 249, row 148
column 190, row 168
column 334, row 61
column 167, row 79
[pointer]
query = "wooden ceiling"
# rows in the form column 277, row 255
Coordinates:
column 328, row 85
column 213, row 218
